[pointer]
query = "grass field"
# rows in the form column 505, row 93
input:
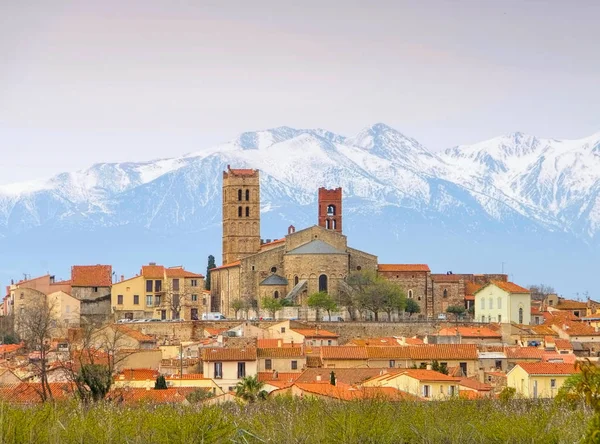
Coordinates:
column 287, row 420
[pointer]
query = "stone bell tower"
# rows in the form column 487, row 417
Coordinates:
column 330, row 209
column 241, row 213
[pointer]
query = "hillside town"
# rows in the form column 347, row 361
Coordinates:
column 301, row 315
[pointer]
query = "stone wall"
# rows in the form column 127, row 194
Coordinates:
column 96, row 310
column 89, row 293
column 416, row 281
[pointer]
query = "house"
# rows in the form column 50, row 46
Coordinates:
column 295, row 333
column 281, row 359
column 503, row 302
column 65, row 309
column 493, row 360
column 518, row 354
column 91, row 284
column 539, row 379
column 227, row 366
column 463, row 356
column 350, row 376
column 472, row 335
column 427, row 384
column 344, row 357
column 161, row 293
column 137, row 395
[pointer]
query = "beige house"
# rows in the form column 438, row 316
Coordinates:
column 160, row 293
column 65, row 309
column 228, row 366
column 281, row 359
column 503, row 302
column 539, row 379
column 427, row 384
column 295, row 333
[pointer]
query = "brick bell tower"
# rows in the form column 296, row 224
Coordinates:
column 330, row 209
column 241, row 213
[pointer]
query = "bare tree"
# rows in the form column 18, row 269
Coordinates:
column 35, row 323
column 541, row 291
column 177, row 296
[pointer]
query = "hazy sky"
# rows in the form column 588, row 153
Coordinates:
column 92, row 81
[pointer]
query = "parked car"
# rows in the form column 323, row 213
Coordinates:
column 123, row 321
column 213, row 316
column 442, row 316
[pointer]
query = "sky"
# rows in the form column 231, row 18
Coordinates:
column 83, row 82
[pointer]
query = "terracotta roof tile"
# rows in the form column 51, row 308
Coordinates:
column 547, row 368
column 573, row 328
column 510, row 287
column 343, row 375
column 135, row 334
column 186, row 377
column 280, row 352
column 278, row 376
column 388, row 352
column 375, row 342
column 137, row 374
column 153, row 271
column 91, row 275
column 524, row 353
column 272, row 243
column 131, row 395
column 230, row 265
column 428, row 375
column 242, row 171
column 179, row 272
column 471, row 288
column 474, row 384
column 312, row 333
column 563, row 344
column 344, row 352
column 470, row 332
column 28, row 393
column 429, row 352
column 229, row 354
column 347, row 393
column 314, row 362
column 568, row 304
column 272, row 343
column 403, row 267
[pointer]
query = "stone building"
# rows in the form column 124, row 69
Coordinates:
column 91, row 285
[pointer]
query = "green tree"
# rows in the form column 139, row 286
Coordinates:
column 199, row 395
column 97, row 378
column 272, row 305
column 240, row 305
column 412, row 307
column 332, row 378
column 394, row 299
column 250, row 389
column 440, row 368
column 507, row 394
column 322, row 301
column 366, row 286
column 456, row 310
column 161, row 383
column 211, row 265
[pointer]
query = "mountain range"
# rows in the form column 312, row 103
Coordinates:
column 517, row 203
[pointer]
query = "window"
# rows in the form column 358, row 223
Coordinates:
column 410, row 294
column 520, row 315
column 499, row 318
column 331, row 210
column 95, row 289
column 22, row 296
column 426, row 391
column 268, row 364
column 163, row 314
column 239, row 194
column 463, row 368
column 282, row 329
column 445, row 292
column 175, row 300
column 482, row 303
column 483, row 318
column 329, row 342
column 120, row 299
column 323, row 283
column 176, row 284
column 553, row 383
column 149, row 286
column 68, row 309
column 294, row 365
column 327, row 224
column 276, row 294
column 498, row 364
column 157, row 300
column 273, row 269
column 203, row 301
column 491, row 303
column 241, row 370
column 194, row 298
column 296, row 280
column 451, row 390
column 136, row 299
column 239, row 211
column 392, row 363
column 149, row 299
column 247, row 194
column 194, row 314
column 218, row 370
column 158, row 285
column 499, row 303
column 441, row 389
column 247, row 211
column 194, row 283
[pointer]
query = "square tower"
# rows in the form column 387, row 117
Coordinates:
column 241, row 213
column 330, row 209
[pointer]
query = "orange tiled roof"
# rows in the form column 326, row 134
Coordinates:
column 542, row 329
column 510, row 287
column 28, row 392
column 313, row 361
column 135, row 334
column 153, row 271
column 428, row 375
column 137, row 374
column 272, row 343
column 375, row 342
column 132, row 395
column 179, row 272
column 278, row 376
column 403, row 267
column 452, row 352
column 388, row 352
column 275, row 242
column 313, row 333
column 242, row 171
column 470, row 332
column 343, row 375
column 569, row 304
column 186, row 377
column 563, row 344
column 91, row 275
column 344, row 352
column 547, row 368
column 524, row 353
column 214, row 331
column 346, row 392
column 471, row 288
column 413, row 341
column 229, row 354
column 9, row 348
column 576, row 328
column 280, row 352
column 473, row 384
column 232, row 264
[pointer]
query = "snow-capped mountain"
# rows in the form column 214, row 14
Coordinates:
column 470, row 206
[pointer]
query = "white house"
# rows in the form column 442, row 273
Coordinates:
column 227, row 366
column 503, row 302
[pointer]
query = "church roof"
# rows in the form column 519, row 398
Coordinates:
column 316, row 247
column 274, row 280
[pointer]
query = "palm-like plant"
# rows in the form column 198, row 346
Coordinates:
column 250, row 389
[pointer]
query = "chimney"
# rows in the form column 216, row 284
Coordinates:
column 291, row 229
column 122, row 278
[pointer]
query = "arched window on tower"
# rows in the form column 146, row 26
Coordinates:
column 520, row 315
column 327, row 224
column 323, row 283
column 410, row 294
column 333, row 224
column 276, row 294
column 330, row 210
column 296, row 280
column 247, row 211
column 247, row 194
column 239, row 194
column 239, row 211
column 445, row 292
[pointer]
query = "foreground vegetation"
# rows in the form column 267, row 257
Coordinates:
column 287, row 420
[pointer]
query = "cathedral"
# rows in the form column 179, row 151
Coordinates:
column 316, row 258
column 303, row 262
